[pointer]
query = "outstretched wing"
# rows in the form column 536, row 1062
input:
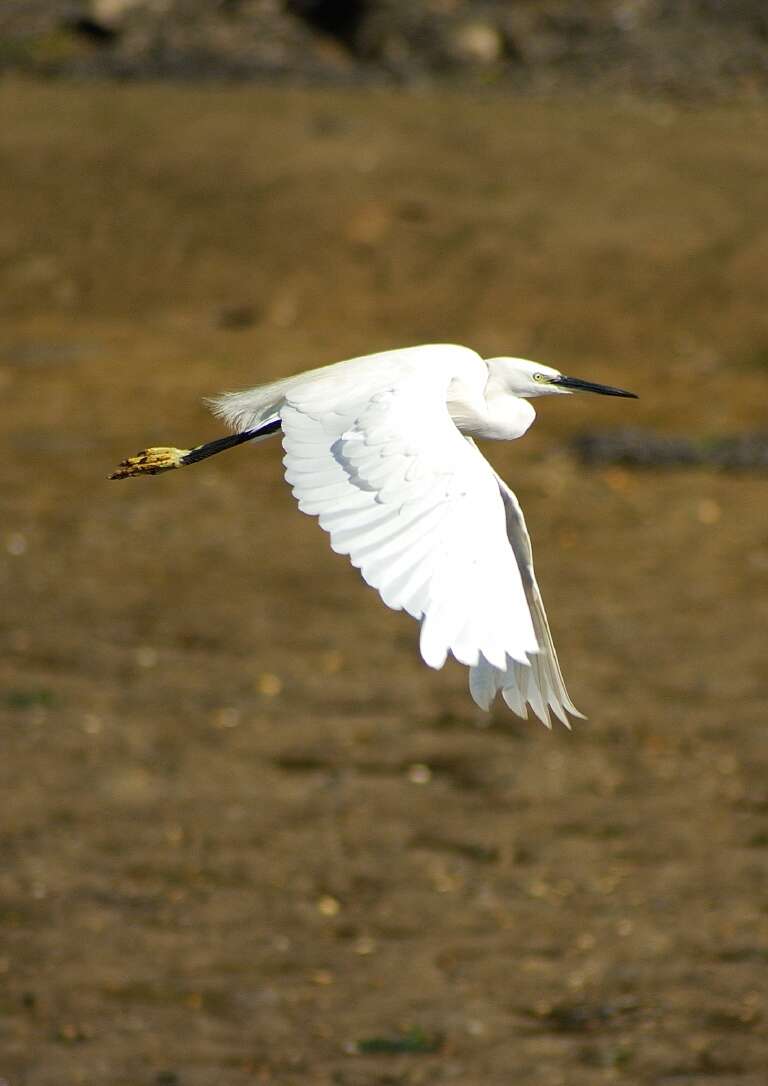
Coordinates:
column 540, row 685
column 414, row 504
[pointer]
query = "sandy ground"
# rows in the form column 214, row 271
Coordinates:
column 246, row 836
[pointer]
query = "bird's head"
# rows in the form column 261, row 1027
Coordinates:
column 526, row 379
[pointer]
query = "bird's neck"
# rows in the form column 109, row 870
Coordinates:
column 496, row 415
column 507, row 417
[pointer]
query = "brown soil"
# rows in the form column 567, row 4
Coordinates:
column 245, row 832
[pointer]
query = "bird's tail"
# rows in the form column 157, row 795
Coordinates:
column 251, row 408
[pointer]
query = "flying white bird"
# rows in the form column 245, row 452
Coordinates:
column 380, row 449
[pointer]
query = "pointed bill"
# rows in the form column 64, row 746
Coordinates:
column 577, row 385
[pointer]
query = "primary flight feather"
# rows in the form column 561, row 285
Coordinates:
column 380, row 449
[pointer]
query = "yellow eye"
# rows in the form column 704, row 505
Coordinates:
column 540, row 377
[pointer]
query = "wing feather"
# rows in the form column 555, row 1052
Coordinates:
column 414, row 505
column 541, row 685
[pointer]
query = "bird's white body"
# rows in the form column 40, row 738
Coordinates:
column 474, row 389
column 380, row 449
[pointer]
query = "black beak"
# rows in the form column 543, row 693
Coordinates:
column 589, row 386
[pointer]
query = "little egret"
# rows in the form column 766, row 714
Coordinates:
column 380, row 449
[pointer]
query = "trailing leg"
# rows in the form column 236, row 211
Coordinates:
column 165, row 458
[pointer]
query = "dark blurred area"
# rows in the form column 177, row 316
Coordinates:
column 680, row 47
column 246, row 836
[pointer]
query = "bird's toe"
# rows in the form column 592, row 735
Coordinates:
column 150, row 462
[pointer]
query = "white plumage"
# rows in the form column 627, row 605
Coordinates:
column 380, row 449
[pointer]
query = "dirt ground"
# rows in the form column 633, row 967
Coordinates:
column 246, row 836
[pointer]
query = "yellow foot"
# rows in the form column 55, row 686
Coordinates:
column 150, row 462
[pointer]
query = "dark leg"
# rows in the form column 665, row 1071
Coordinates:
column 211, row 448
column 157, row 460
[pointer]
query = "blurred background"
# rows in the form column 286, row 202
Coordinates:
column 247, row 837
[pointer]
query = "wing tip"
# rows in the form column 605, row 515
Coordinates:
column 487, row 681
